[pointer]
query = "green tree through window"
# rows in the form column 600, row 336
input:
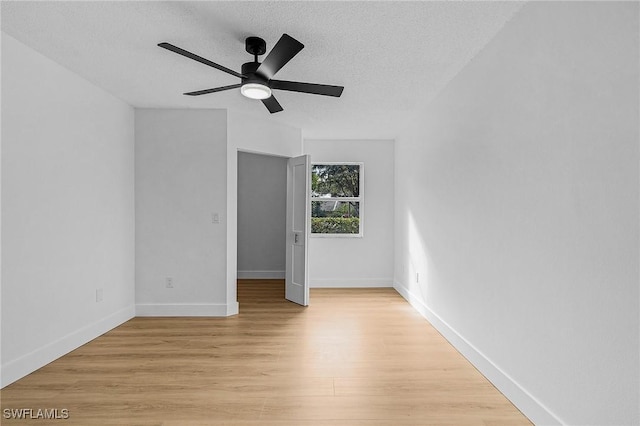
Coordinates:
column 336, row 193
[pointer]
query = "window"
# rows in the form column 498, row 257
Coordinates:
column 337, row 199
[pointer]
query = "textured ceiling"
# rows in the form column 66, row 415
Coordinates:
column 390, row 56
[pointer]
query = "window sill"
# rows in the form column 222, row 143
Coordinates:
column 336, row 235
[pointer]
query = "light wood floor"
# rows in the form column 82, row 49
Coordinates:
column 353, row 357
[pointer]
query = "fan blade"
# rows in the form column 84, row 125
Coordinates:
column 315, row 89
column 200, row 59
column 272, row 104
column 284, row 50
column 216, row 89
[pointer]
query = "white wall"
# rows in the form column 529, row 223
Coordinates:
column 258, row 134
column 67, row 210
column 1, row 365
column 186, row 171
column 366, row 261
column 262, row 198
column 517, row 204
column 180, row 182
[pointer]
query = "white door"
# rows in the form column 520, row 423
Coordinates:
column 298, row 223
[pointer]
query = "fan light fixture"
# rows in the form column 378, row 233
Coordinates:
column 255, row 91
column 256, row 78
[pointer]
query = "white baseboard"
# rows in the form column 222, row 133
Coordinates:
column 181, row 310
column 261, row 275
column 523, row 400
column 351, row 283
column 27, row 364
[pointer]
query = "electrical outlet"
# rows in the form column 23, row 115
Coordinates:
column 215, row 218
column 169, row 282
column 98, row 295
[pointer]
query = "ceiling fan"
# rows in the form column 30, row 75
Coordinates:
column 257, row 78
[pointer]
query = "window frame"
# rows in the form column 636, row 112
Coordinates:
column 359, row 199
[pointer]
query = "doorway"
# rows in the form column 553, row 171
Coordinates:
column 262, row 200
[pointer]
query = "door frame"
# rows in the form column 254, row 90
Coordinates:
column 233, row 307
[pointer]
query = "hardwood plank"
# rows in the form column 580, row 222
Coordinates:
column 441, row 384
column 353, row 357
column 452, row 411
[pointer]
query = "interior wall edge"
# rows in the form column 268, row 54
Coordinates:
column 512, row 390
column 29, row 363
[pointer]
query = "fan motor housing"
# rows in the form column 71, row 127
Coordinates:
column 249, row 69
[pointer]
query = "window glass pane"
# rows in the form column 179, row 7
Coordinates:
column 335, row 180
column 335, row 217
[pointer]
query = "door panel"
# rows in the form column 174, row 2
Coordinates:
column 298, row 222
column 299, row 195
